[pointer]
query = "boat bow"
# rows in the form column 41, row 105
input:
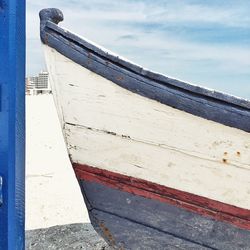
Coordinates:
column 209, row 104
column 161, row 163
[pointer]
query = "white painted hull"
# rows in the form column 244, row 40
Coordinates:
column 111, row 128
column 162, row 164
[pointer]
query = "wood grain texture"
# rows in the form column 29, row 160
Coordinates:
column 204, row 103
column 160, row 168
column 139, row 137
column 200, row 205
column 56, row 37
column 126, row 234
column 136, row 221
column 216, row 181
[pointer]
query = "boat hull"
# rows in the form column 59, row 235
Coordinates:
column 129, row 221
column 122, row 133
column 162, row 164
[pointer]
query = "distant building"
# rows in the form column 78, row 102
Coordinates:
column 38, row 84
column 42, row 80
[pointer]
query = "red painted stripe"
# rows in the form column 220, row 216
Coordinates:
column 239, row 217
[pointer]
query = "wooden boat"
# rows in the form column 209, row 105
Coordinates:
column 162, row 164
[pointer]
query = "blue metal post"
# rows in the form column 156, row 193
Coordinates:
column 12, row 129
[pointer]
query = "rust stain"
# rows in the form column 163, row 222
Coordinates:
column 119, row 78
column 46, row 39
column 107, row 233
column 224, row 160
column 225, row 153
column 238, row 153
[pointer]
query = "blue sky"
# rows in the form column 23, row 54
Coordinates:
column 202, row 42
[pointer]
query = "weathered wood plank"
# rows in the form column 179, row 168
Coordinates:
column 123, row 119
column 129, row 211
column 196, row 151
column 216, row 181
column 214, row 209
column 112, row 108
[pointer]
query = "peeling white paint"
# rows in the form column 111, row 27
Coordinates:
column 109, row 127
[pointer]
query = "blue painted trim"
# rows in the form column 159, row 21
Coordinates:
column 130, row 218
column 211, row 105
column 1, row 191
column 12, row 123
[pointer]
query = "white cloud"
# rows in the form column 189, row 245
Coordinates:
column 107, row 22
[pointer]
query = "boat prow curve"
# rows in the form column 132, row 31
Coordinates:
column 212, row 105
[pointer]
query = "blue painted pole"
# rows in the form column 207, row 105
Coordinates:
column 12, row 123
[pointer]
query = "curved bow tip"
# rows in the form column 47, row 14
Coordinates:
column 51, row 14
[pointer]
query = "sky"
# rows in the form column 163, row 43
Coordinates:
column 206, row 43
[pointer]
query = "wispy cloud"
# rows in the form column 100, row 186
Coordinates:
column 205, row 42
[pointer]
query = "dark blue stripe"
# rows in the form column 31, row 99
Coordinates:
column 131, row 217
column 215, row 106
column 127, row 234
